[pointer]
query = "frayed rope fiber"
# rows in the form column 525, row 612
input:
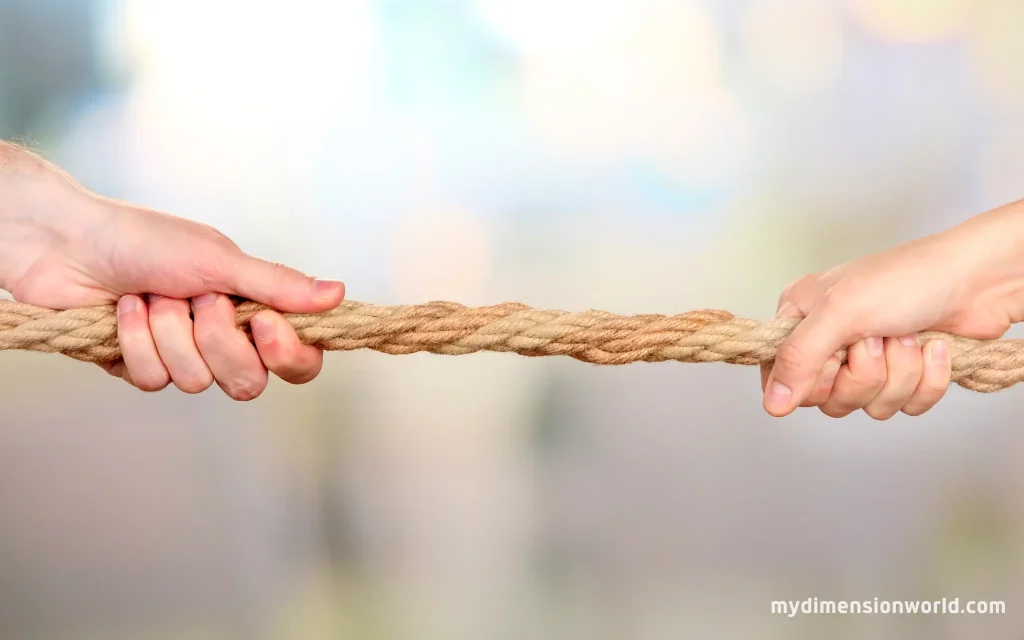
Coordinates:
column 449, row 328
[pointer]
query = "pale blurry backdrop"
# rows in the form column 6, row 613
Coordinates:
column 633, row 156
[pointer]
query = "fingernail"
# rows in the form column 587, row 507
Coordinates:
column 940, row 352
column 326, row 288
column 778, row 396
column 874, row 346
column 204, row 300
column 262, row 328
column 909, row 341
column 127, row 304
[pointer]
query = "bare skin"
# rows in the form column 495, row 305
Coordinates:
column 62, row 246
column 968, row 280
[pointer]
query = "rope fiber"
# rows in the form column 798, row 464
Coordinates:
column 598, row 337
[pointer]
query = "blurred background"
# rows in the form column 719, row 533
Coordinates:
column 633, row 156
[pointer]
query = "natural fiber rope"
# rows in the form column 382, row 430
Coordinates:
column 448, row 328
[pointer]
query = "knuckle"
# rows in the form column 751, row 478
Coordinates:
column 933, row 390
column 208, row 267
column 279, row 274
column 215, row 235
column 245, row 389
column 195, row 383
column 834, row 411
column 798, row 289
column 837, row 298
column 151, row 382
column 923, row 402
column 880, row 413
column 846, row 297
column 925, row 399
column 163, row 304
column 790, row 356
column 163, row 311
column 842, row 304
column 915, row 410
column 305, row 373
column 788, row 292
column 813, row 401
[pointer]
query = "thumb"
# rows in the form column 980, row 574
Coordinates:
column 788, row 308
column 801, row 357
column 279, row 286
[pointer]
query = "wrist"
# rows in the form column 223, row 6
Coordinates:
column 22, row 239
column 988, row 250
column 41, row 212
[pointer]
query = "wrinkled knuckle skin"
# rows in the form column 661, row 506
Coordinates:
column 281, row 273
column 245, row 389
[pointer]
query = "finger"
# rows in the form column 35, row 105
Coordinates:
column 233, row 360
column 934, row 378
column 859, row 381
column 802, row 295
column 795, row 298
column 904, row 364
column 172, row 330
column 279, row 286
column 282, row 352
column 802, row 356
column 140, row 363
column 114, row 367
column 823, row 387
column 118, row 369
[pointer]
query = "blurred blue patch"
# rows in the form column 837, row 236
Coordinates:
column 436, row 56
column 666, row 195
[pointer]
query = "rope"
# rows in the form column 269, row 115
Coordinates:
column 448, row 328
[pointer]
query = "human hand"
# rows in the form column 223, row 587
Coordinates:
column 62, row 246
column 968, row 280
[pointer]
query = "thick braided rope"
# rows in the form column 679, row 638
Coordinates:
column 598, row 337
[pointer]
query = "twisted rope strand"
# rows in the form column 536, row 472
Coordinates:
column 449, row 328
